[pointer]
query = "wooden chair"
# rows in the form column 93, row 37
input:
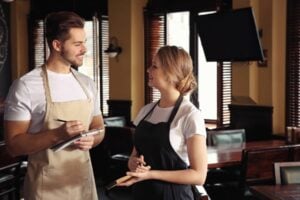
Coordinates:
column 9, row 175
column 292, row 134
column 296, row 135
column 258, row 165
column 296, row 152
column 287, row 172
column 220, row 180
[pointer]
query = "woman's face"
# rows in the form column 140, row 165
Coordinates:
column 156, row 75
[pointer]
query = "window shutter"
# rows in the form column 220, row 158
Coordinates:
column 37, row 43
column 293, row 64
column 155, row 37
column 104, row 72
column 224, row 92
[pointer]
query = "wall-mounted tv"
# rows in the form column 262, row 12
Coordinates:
column 230, row 36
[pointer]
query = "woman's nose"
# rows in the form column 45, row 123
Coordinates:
column 149, row 69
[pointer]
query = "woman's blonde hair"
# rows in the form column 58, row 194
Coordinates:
column 177, row 64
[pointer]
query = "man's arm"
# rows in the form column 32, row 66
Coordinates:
column 20, row 142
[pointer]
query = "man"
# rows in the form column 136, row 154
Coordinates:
column 51, row 104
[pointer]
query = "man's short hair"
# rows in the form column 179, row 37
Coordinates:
column 58, row 25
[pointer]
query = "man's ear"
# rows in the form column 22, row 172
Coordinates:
column 56, row 45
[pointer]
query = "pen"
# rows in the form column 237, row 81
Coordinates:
column 60, row 120
column 117, row 181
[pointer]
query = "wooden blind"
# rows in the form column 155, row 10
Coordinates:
column 104, row 66
column 155, row 37
column 293, row 64
column 224, row 92
column 37, row 43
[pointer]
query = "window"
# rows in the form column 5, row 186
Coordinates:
column 293, row 64
column 154, row 39
column 214, row 79
column 95, row 62
column 207, row 85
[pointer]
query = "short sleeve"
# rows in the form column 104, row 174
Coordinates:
column 18, row 103
column 194, row 124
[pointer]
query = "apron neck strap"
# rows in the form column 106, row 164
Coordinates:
column 46, row 84
column 47, row 87
column 173, row 113
column 175, row 109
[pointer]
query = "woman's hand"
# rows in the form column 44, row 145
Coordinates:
column 135, row 161
column 140, row 174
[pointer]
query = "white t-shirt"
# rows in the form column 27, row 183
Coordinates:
column 26, row 98
column 187, row 122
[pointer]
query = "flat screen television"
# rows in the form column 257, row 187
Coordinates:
column 230, row 36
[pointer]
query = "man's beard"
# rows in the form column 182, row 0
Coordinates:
column 72, row 62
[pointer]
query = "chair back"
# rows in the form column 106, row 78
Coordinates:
column 9, row 174
column 117, row 121
column 258, row 165
column 226, row 137
column 287, row 172
column 292, row 134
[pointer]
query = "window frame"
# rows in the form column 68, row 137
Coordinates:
column 224, row 85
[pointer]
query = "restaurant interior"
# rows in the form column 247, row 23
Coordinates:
column 250, row 101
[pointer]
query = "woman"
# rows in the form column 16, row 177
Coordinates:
column 169, row 152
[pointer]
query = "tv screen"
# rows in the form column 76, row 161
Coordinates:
column 230, row 36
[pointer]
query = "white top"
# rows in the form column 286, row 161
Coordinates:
column 26, row 99
column 187, row 122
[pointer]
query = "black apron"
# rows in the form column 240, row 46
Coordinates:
column 152, row 141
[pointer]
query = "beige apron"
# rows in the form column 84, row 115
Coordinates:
column 66, row 174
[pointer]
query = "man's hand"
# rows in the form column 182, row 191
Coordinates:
column 71, row 128
column 85, row 143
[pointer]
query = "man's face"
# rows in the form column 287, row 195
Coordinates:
column 73, row 49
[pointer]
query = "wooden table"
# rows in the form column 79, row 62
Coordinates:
column 276, row 192
column 230, row 155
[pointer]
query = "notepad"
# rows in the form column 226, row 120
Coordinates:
column 70, row 141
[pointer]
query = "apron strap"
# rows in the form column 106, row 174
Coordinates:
column 150, row 111
column 46, row 84
column 80, row 83
column 175, row 109
column 47, row 87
